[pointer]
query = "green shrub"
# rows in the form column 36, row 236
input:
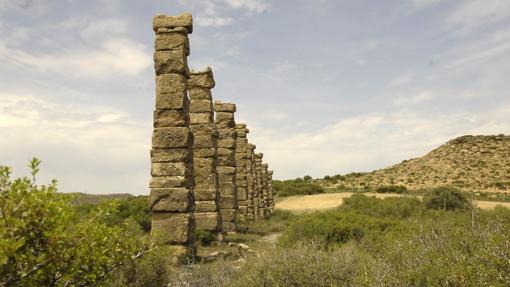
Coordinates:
column 45, row 242
column 296, row 187
column 446, row 198
column 205, row 237
column 391, row 189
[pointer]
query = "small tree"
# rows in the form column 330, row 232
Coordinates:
column 44, row 243
column 446, row 198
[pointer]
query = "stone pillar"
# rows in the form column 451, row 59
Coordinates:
column 250, row 180
column 226, row 165
column 270, row 190
column 265, row 189
column 171, row 198
column 207, row 211
column 259, row 185
column 241, row 173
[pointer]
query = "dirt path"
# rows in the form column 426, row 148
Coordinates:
column 308, row 203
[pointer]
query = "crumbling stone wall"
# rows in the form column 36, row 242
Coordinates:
column 241, row 173
column 207, row 199
column 226, row 164
column 250, row 180
column 270, row 188
column 171, row 199
column 265, row 189
column 259, row 185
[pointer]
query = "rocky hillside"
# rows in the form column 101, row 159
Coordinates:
column 479, row 163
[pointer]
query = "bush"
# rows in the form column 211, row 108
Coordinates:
column 45, row 242
column 205, row 237
column 296, row 187
column 391, row 189
column 446, row 198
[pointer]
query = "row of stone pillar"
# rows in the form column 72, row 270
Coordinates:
column 205, row 173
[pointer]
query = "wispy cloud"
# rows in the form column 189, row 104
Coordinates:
column 117, row 56
column 473, row 13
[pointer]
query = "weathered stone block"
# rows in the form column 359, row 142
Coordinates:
column 170, row 155
column 204, row 79
column 206, row 220
column 204, row 152
column 205, row 194
column 170, row 118
column 206, row 141
column 226, row 143
column 225, row 170
column 241, row 146
column 171, row 228
column 173, row 61
column 169, row 182
column 168, row 169
column 222, row 117
column 196, row 94
column 224, row 107
column 171, row 137
column 225, row 152
column 201, row 118
column 171, row 92
column 184, row 20
column 205, row 206
column 228, row 178
column 228, row 202
column 227, row 133
column 200, row 106
column 242, row 193
column 226, row 188
column 173, row 40
column 170, row 199
column 205, row 181
column 240, row 182
column 228, row 215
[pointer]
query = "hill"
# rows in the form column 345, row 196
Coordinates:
column 79, row 198
column 475, row 163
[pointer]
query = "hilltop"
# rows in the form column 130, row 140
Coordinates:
column 475, row 163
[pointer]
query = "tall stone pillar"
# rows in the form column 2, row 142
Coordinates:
column 270, row 188
column 265, row 189
column 207, row 211
column 171, row 198
column 259, row 185
column 241, row 173
column 250, row 180
column 226, row 165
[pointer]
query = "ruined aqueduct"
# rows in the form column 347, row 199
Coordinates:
column 205, row 174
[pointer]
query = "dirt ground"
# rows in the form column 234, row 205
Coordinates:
column 309, row 203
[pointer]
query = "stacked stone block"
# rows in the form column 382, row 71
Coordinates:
column 171, row 199
column 226, row 163
column 241, row 169
column 207, row 211
column 259, row 186
column 265, row 189
column 250, row 180
column 270, row 189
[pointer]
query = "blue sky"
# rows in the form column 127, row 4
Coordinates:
column 325, row 86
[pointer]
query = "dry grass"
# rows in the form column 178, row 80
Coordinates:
column 310, row 203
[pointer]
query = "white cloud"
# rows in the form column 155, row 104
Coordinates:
column 213, row 20
column 414, row 99
column 257, row 6
column 116, row 56
column 372, row 141
column 400, row 80
column 88, row 148
column 475, row 13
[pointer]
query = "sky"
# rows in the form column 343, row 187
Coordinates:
column 325, row 86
